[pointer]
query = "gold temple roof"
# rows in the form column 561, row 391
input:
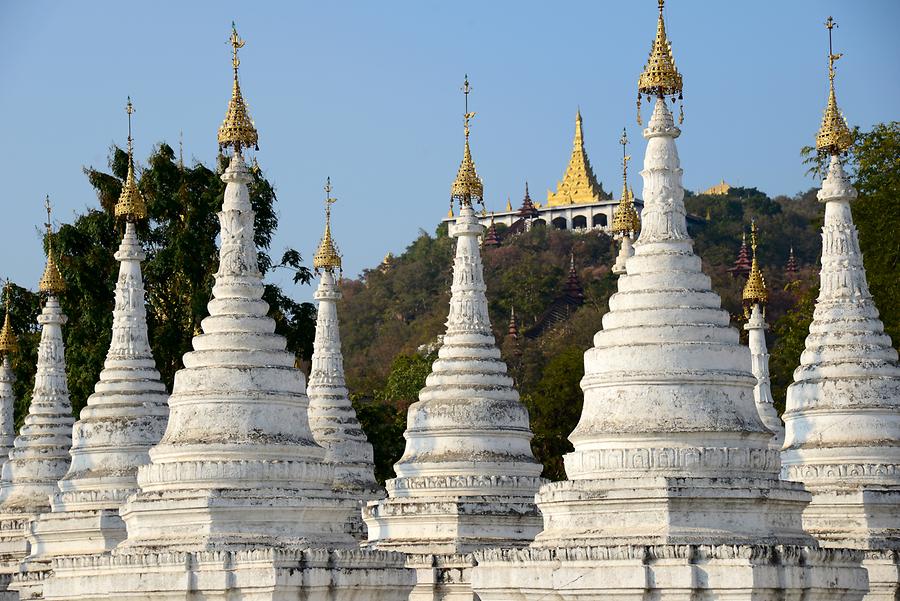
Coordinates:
column 755, row 289
column 51, row 281
column 834, row 137
column 720, row 189
column 579, row 184
column 238, row 129
column 131, row 205
column 327, row 256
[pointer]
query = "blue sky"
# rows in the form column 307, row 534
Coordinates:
column 368, row 93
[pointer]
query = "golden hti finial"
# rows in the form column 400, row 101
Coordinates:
column 51, row 282
column 755, row 292
column 8, row 342
column 327, row 257
column 625, row 220
column 834, row 136
column 238, row 129
column 130, row 205
column 660, row 77
column 467, row 187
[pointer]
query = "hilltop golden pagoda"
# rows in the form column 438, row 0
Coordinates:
column 579, row 185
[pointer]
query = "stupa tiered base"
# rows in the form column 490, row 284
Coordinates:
column 670, row 572
column 249, row 575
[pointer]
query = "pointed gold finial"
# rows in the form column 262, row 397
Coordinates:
column 625, row 220
column 8, row 342
column 834, row 136
column 660, row 77
column 327, row 257
column 130, row 206
column 51, row 282
column 467, row 187
column 755, row 289
column 508, row 204
column 238, row 129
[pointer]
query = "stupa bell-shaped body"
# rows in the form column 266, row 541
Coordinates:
column 331, row 415
column 842, row 421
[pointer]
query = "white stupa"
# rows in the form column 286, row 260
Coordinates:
column 237, row 500
column 8, row 346
column 124, row 417
column 755, row 297
column 673, row 490
column 842, row 420
column 468, row 476
column 40, row 456
column 331, row 415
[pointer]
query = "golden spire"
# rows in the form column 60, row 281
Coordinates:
column 327, row 257
column 8, row 343
column 238, row 129
column 660, row 77
column 467, row 187
column 625, row 220
column 834, row 136
column 755, row 289
column 579, row 184
column 508, row 204
column 51, row 282
column 131, row 204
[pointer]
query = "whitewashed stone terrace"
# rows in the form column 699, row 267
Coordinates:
column 673, row 488
column 762, row 393
column 40, row 457
column 124, row 417
column 842, row 422
column 331, row 415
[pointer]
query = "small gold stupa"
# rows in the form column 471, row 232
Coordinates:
column 238, row 129
column 327, row 257
column 131, row 205
column 625, row 220
column 467, row 187
column 755, row 292
column 834, row 137
column 51, row 282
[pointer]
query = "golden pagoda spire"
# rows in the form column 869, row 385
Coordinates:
column 834, row 136
column 660, row 77
column 131, row 204
column 51, row 282
column 579, row 185
column 467, row 187
column 8, row 343
column 327, row 257
column 755, row 289
column 625, row 220
column 238, row 129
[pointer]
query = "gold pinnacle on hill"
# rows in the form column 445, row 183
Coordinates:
column 327, row 256
column 8, row 342
column 834, row 136
column 51, row 282
column 755, row 289
column 660, row 77
column 238, row 129
column 130, row 206
column 625, row 220
column 467, row 187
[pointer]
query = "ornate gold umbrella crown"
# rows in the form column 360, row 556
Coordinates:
column 660, row 77
column 8, row 342
column 131, row 204
column 755, row 289
column 625, row 220
column 327, row 256
column 51, row 282
column 238, row 129
column 834, row 136
column 467, row 187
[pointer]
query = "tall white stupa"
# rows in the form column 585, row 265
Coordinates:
column 237, row 499
column 467, row 478
column 8, row 346
column 755, row 296
column 40, row 456
column 124, row 417
column 842, row 420
column 673, row 490
column 331, row 415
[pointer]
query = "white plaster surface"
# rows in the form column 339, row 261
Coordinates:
column 7, row 408
column 762, row 393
